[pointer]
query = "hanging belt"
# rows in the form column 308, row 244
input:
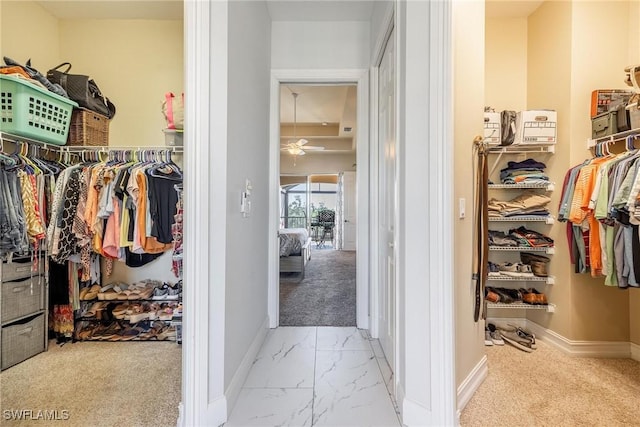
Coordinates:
column 481, row 227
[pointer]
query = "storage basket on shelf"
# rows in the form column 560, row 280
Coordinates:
column 88, row 128
column 33, row 112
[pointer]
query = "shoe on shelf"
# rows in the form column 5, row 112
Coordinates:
column 92, row 293
column 527, row 257
column 491, row 295
column 494, row 334
column 159, row 294
column 509, row 269
column 528, row 297
column 493, row 269
column 525, row 270
column 541, row 298
column 539, row 268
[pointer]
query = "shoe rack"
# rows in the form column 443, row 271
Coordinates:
column 502, row 154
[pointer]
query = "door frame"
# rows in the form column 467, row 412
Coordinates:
column 359, row 77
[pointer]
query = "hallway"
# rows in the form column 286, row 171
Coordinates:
column 321, row 376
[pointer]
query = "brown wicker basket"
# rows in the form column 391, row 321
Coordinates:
column 88, row 128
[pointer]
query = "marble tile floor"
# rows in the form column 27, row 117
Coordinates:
column 317, row 376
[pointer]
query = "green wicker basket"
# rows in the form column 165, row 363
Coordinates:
column 30, row 111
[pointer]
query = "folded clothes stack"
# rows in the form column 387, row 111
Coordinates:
column 527, row 171
column 528, row 203
column 520, row 237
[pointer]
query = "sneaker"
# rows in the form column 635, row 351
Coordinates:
column 494, row 271
column 494, row 333
column 525, row 270
column 525, row 334
column 160, row 294
column 487, row 337
column 516, row 340
column 509, row 269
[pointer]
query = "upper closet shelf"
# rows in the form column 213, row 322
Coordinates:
column 591, row 142
column 550, row 186
column 522, row 149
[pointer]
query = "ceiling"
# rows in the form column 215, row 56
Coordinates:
column 511, row 8
column 320, row 10
column 114, row 9
column 324, row 114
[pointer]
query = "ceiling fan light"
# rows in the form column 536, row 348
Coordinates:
column 294, row 151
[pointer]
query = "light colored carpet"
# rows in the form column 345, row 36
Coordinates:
column 98, row 383
column 549, row 388
column 326, row 296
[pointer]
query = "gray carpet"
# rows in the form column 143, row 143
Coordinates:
column 327, row 294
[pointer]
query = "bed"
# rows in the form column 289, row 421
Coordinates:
column 295, row 250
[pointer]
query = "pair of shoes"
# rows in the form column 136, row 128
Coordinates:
column 518, row 337
column 515, row 270
column 89, row 293
column 532, row 296
column 504, row 295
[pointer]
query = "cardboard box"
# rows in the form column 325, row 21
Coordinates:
column 492, row 128
column 605, row 100
column 536, row 127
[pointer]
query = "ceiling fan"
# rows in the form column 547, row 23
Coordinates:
column 298, row 148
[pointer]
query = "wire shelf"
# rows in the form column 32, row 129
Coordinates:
column 549, row 308
column 524, row 218
column 521, row 249
column 523, row 148
column 550, row 280
column 547, row 186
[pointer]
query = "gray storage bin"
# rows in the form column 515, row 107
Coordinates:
column 21, row 298
column 22, row 340
column 604, row 124
column 19, row 269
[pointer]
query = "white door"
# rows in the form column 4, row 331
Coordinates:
column 349, row 213
column 387, row 199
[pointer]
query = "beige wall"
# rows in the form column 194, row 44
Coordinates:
column 505, row 64
column 549, row 86
column 599, row 312
column 134, row 62
column 28, row 31
column 468, row 103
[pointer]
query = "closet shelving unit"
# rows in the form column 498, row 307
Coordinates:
column 591, row 142
column 527, row 150
column 77, row 150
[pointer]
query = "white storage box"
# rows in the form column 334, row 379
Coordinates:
column 536, row 127
column 492, row 131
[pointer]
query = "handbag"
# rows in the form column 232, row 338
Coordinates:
column 173, row 111
column 82, row 89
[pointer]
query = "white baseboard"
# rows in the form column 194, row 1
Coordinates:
column 217, row 412
column 635, row 352
column 413, row 413
column 608, row 349
column 245, row 366
column 470, row 384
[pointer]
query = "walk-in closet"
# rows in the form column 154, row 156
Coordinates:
column 92, row 211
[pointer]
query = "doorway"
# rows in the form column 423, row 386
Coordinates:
column 341, row 144
column 317, row 273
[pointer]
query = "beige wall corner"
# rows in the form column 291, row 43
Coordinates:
column 29, row 31
column 549, row 87
column 468, row 66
